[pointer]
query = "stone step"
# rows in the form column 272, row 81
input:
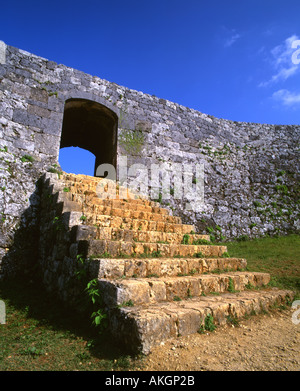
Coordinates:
column 126, row 223
column 129, row 205
column 104, row 188
column 95, row 210
column 86, row 232
column 90, row 197
column 88, row 194
column 155, row 290
column 114, row 248
column 140, row 328
column 119, row 208
column 135, row 224
column 110, row 268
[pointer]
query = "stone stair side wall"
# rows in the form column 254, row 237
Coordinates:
column 57, row 266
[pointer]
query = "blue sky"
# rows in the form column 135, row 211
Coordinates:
column 230, row 58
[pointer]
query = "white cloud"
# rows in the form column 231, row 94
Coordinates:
column 281, row 62
column 283, row 53
column 282, row 75
column 286, row 97
column 230, row 41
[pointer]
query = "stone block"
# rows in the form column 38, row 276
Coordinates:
column 157, row 291
column 2, row 52
column 83, row 232
column 189, row 321
column 113, row 248
column 111, row 268
column 92, row 247
column 39, row 94
column 105, row 233
column 135, row 290
column 39, row 111
column 126, row 248
column 136, row 267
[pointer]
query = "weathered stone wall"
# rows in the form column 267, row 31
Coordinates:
column 251, row 170
column 58, row 263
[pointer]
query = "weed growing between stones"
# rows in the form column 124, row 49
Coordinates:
column 128, row 303
column 54, row 170
column 93, row 303
column 27, row 158
column 176, row 298
column 208, row 324
column 186, row 239
column 98, row 316
column 233, row 320
column 202, row 241
column 132, row 141
column 231, row 287
column 199, row 255
column 215, row 234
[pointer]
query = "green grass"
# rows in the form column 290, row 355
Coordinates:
column 27, row 158
column 41, row 335
column 279, row 256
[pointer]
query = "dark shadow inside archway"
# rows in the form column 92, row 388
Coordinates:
column 91, row 126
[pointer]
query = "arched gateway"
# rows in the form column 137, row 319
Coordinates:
column 91, row 126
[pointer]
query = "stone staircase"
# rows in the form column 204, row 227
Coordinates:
column 157, row 277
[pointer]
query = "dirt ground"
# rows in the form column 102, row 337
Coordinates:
column 266, row 342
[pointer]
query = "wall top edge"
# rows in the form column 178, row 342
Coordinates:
column 4, row 48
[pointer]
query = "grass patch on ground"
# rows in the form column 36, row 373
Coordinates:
column 41, row 335
column 279, row 256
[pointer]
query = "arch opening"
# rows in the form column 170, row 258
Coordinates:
column 93, row 127
column 76, row 160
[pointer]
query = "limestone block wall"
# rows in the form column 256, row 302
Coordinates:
column 58, row 263
column 251, row 171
